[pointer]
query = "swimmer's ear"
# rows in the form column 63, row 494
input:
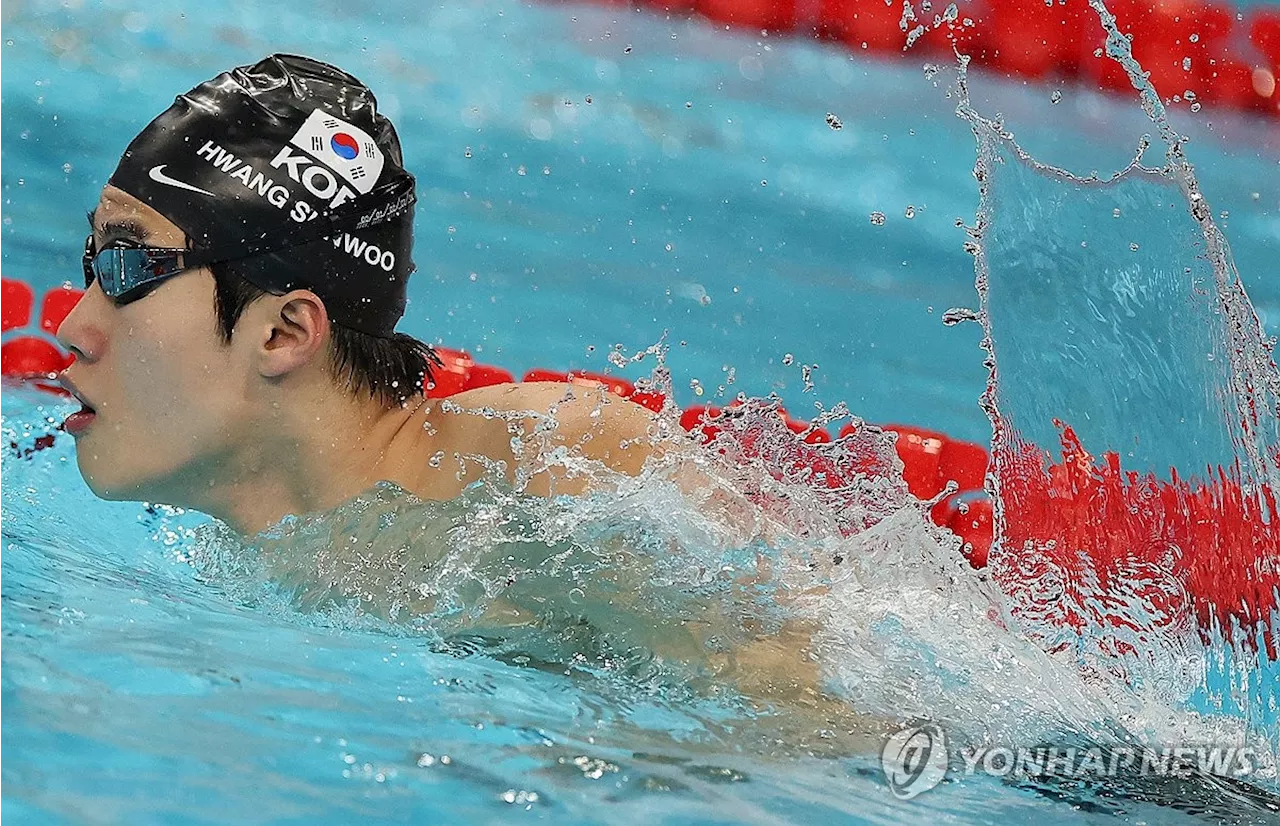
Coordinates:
column 297, row 327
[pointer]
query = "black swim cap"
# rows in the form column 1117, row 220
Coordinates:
column 286, row 168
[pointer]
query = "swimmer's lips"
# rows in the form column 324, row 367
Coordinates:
column 79, row 421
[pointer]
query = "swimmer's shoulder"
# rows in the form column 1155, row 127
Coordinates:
column 597, row 424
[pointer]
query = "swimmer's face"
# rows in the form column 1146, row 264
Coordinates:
column 165, row 391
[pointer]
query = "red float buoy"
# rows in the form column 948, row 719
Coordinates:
column 1036, row 44
column 817, row 436
column 31, row 358
column 1264, row 34
column 769, row 15
column 1231, row 84
column 57, row 305
column 486, row 375
column 870, row 26
column 16, row 299
column 451, row 376
column 653, row 401
column 697, row 420
column 974, row 524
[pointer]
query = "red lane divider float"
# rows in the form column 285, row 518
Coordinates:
column 930, row 458
column 1225, row 60
column 16, row 300
column 930, row 461
column 1103, row 521
column 33, row 357
column 1119, row 538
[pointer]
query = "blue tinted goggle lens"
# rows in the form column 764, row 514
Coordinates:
column 122, row 271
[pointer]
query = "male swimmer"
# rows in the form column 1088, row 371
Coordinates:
column 236, row 353
column 236, row 350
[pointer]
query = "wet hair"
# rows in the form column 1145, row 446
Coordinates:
column 391, row 370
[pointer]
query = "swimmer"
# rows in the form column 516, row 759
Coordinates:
column 236, row 351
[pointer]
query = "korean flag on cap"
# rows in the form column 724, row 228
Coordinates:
column 346, row 149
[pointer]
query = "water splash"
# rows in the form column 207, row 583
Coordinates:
column 1115, row 319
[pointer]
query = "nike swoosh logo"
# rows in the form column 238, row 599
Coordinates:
column 157, row 175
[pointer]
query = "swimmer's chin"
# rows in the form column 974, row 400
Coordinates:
column 112, row 490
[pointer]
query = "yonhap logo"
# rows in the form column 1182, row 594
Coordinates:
column 915, row 760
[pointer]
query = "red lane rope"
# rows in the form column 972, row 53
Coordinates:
column 1225, row 59
column 930, row 458
column 1102, row 526
column 1086, row 518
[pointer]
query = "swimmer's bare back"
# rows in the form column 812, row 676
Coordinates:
column 442, row 446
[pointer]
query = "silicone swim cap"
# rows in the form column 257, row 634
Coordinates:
column 286, row 168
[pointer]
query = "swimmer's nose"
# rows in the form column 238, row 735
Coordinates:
column 79, row 332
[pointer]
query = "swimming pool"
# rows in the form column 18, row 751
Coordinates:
column 588, row 177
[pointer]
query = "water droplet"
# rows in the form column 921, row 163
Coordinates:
column 588, row 99
column 930, row 71
column 764, row 182
column 877, row 218
column 1195, row 107
column 66, row 169
column 1134, row 246
column 788, row 359
column 833, row 121
column 1115, row 213
column 1056, row 97
column 520, row 170
column 1224, row 215
column 1097, row 52
column 956, row 315
column 1186, row 64
column 909, row 212
column 466, row 153
column 1194, row 38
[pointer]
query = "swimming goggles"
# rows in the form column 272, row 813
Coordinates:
column 127, row 273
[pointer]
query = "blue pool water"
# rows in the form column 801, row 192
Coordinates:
column 149, row 681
